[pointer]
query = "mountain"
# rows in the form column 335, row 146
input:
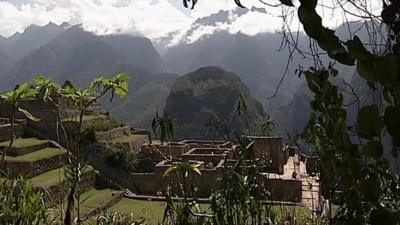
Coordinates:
column 5, row 63
column 205, row 93
column 255, row 59
column 80, row 56
column 34, row 36
column 73, row 55
column 138, row 51
column 147, row 94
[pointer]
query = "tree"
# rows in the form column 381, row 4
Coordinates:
column 83, row 99
column 182, row 170
column 163, row 127
column 20, row 203
column 267, row 127
column 14, row 98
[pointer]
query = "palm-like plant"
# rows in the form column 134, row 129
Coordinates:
column 14, row 98
column 83, row 99
column 163, row 127
column 267, row 127
column 182, row 169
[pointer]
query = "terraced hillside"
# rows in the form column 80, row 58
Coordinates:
column 44, row 162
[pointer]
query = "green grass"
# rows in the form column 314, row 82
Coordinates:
column 37, row 155
column 127, row 138
column 95, row 198
column 23, row 142
column 52, row 177
column 103, row 125
column 152, row 211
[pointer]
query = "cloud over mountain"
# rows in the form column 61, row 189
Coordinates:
column 158, row 20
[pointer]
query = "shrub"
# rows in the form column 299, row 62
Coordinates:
column 116, row 218
column 125, row 160
column 20, row 204
column 104, row 125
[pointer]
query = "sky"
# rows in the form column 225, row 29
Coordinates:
column 151, row 18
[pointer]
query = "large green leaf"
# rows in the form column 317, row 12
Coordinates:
column 371, row 188
column 369, row 123
column 373, row 149
column 383, row 216
column 392, row 120
column 357, row 49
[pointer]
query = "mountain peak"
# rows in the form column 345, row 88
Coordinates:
column 31, row 28
column 199, row 96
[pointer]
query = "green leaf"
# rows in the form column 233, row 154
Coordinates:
column 371, row 188
column 392, row 120
column 197, row 170
column 382, row 216
column 369, row 123
column 357, row 50
column 367, row 69
column 373, row 149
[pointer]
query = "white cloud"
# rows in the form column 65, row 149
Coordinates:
column 152, row 18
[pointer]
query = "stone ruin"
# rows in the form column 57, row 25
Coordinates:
column 277, row 176
column 283, row 173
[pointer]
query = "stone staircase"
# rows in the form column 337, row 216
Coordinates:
column 43, row 163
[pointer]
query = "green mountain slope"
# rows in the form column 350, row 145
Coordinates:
column 207, row 92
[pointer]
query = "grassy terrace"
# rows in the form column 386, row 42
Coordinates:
column 37, row 155
column 128, row 138
column 23, row 142
column 153, row 211
column 95, row 198
column 53, row 177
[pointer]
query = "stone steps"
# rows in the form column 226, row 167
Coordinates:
column 53, row 183
column 35, row 163
column 22, row 146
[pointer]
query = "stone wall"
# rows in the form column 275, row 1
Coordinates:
column 312, row 164
column 270, row 149
column 158, row 152
column 134, row 145
column 112, row 134
column 207, row 144
column 5, row 131
column 31, row 169
column 288, row 190
column 206, row 155
column 148, row 183
column 156, row 183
